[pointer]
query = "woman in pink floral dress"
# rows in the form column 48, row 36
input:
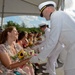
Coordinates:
column 9, row 48
column 22, row 41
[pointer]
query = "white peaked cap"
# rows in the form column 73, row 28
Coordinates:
column 42, row 24
column 46, row 3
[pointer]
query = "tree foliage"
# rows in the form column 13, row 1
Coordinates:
column 21, row 27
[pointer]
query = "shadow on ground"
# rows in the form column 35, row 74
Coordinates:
column 40, row 69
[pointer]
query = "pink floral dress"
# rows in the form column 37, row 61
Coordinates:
column 5, row 48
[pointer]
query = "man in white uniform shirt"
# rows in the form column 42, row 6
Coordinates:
column 62, row 32
column 44, row 28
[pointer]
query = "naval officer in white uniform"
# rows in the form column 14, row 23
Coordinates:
column 46, row 30
column 62, row 32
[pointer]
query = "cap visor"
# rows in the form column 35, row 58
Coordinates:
column 41, row 15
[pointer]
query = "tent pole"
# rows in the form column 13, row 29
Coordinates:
column 58, row 4
column 2, row 14
column 62, row 4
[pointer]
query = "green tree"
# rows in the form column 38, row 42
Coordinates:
column 23, row 25
column 11, row 23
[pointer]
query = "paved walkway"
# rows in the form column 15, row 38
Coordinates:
column 59, row 71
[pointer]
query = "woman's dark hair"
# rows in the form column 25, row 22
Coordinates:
column 4, row 34
column 21, row 35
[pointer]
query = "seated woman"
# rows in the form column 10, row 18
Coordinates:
column 23, row 42
column 22, row 39
column 30, row 39
column 8, row 49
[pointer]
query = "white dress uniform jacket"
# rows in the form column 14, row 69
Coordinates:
column 62, row 32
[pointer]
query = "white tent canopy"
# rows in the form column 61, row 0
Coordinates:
column 21, row 7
